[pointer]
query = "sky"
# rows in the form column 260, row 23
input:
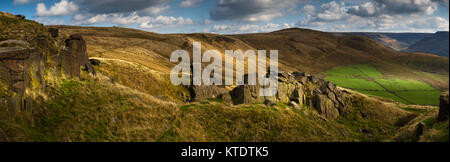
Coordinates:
column 240, row 16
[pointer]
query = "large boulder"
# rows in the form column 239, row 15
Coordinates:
column 301, row 77
column 74, row 56
column 285, row 91
column 325, row 106
column 298, row 95
column 247, row 94
column 202, row 93
column 443, row 106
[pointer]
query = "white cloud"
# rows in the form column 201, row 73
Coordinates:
column 248, row 28
column 376, row 15
column 327, row 12
column 395, row 7
column 308, row 9
column 145, row 22
column 189, row 3
column 387, row 23
column 62, row 8
column 154, row 10
column 165, row 21
column 332, row 11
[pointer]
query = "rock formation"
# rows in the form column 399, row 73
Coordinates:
column 443, row 107
column 202, row 93
column 297, row 89
column 31, row 53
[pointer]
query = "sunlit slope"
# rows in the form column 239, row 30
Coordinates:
column 299, row 50
column 368, row 80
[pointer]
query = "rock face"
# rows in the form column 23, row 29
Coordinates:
column 297, row 89
column 24, row 62
column 74, row 56
column 202, row 93
column 443, row 107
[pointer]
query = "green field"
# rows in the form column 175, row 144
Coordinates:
column 401, row 85
column 368, row 80
column 384, row 94
column 355, row 71
column 422, row 98
column 354, row 83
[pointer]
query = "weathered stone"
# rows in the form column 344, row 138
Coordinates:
column 226, row 98
column 317, row 91
column 294, row 105
column 443, row 107
column 89, row 68
column 20, row 16
column 14, row 43
column 95, row 62
column 420, row 130
column 325, row 106
column 201, row 93
column 300, row 74
column 284, row 92
column 14, row 53
column 331, row 86
column 298, row 95
column 74, row 56
column 313, row 79
column 246, row 94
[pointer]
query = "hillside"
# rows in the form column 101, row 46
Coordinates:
column 124, row 94
column 433, row 43
column 395, row 41
column 436, row 44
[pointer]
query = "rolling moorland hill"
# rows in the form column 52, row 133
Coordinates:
column 434, row 43
column 395, row 41
column 127, row 95
column 437, row 44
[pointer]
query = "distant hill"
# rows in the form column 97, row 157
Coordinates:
column 395, row 41
column 433, row 43
column 436, row 44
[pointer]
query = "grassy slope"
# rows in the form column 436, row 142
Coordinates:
column 95, row 109
column 368, row 80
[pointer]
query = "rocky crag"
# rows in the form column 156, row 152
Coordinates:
column 29, row 53
column 297, row 89
column 443, row 107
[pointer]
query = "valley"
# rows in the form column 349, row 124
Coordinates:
column 113, row 84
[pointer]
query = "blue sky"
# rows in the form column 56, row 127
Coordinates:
column 240, row 16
